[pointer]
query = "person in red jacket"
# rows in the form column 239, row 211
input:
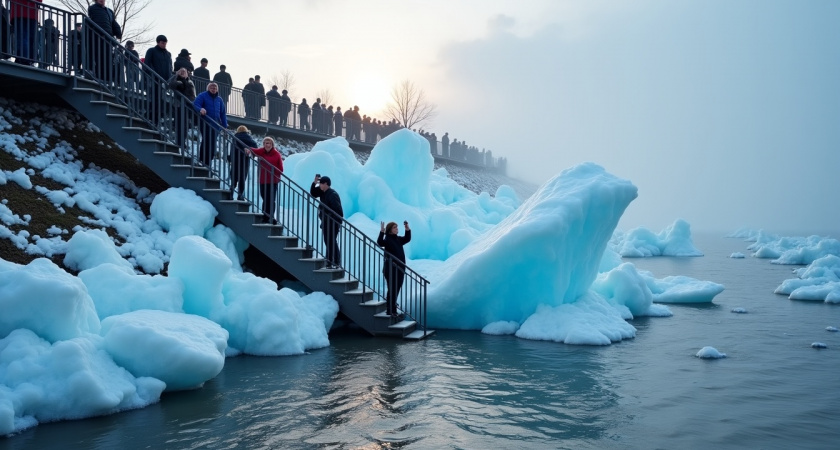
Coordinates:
column 271, row 166
column 24, row 19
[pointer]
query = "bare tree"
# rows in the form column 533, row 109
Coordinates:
column 326, row 96
column 127, row 13
column 409, row 106
column 286, row 80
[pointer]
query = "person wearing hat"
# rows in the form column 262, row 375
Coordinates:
column 159, row 60
column 183, row 61
column 202, row 72
column 331, row 214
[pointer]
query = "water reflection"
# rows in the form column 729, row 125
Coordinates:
column 457, row 390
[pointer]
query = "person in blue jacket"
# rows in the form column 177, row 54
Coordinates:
column 394, row 268
column 212, row 109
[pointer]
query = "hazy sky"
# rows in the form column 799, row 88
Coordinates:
column 724, row 113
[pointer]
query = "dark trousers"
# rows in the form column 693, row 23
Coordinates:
column 330, row 228
column 238, row 171
column 25, row 32
column 180, row 132
column 394, row 277
column 208, row 144
column 268, row 192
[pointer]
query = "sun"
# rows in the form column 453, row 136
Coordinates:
column 371, row 93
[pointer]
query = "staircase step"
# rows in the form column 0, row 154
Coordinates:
column 287, row 239
column 93, row 91
column 156, row 141
column 235, row 202
column 188, row 166
column 109, row 104
column 344, row 281
column 165, row 153
column 374, row 303
column 417, row 335
column 118, row 116
column 402, row 325
column 141, row 130
column 267, row 225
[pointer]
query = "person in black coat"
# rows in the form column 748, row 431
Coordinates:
column 183, row 61
column 274, row 105
column 132, row 62
column 224, row 81
column 159, row 60
column 100, row 47
column 238, row 159
column 49, row 37
column 303, row 112
column 394, row 267
column 316, row 116
column 202, row 72
column 259, row 89
column 285, row 107
column 338, row 120
column 249, row 99
column 331, row 215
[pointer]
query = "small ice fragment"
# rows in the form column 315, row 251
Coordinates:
column 739, row 310
column 818, row 345
column 710, row 353
column 737, row 255
column 832, row 329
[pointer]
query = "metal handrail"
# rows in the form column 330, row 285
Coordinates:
column 239, row 103
column 150, row 102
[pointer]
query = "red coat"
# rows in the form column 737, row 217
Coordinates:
column 269, row 159
column 24, row 9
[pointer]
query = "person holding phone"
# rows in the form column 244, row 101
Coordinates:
column 331, row 214
column 394, row 267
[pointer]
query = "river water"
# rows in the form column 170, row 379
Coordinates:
column 472, row 391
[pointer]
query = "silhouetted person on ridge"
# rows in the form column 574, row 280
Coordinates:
column 338, row 120
column 303, row 112
column 316, row 116
column 259, row 89
column 224, row 81
column 202, row 72
column 285, row 107
column 274, row 105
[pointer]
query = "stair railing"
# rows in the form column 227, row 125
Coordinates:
column 208, row 148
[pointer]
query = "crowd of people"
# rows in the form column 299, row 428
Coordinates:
column 86, row 53
column 42, row 43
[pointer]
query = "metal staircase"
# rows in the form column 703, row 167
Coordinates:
column 120, row 100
